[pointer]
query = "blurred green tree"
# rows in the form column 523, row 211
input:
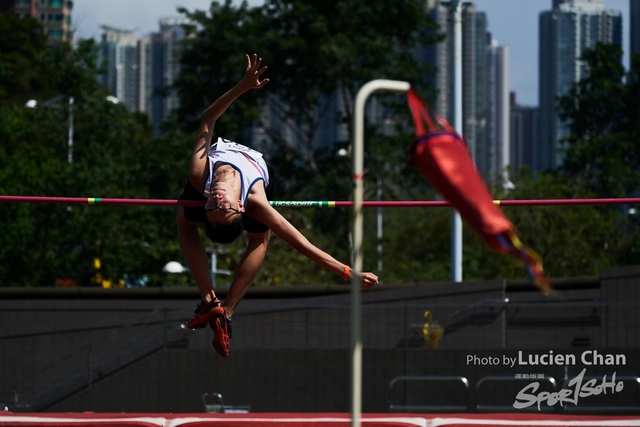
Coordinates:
column 22, row 56
column 601, row 112
column 113, row 156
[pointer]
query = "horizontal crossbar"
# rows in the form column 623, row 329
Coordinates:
column 314, row 204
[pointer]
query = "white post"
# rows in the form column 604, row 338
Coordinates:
column 456, row 221
column 358, row 171
column 379, row 223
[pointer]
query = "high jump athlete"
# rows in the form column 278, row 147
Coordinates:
column 236, row 184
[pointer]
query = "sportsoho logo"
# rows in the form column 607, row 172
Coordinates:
column 577, row 387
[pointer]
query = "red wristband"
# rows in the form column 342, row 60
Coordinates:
column 345, row 273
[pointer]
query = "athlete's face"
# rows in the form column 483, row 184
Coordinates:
column 222, row 208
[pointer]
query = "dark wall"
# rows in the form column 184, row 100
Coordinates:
column 305, row 380
column 112, row 351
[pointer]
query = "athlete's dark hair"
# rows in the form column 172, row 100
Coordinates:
column 224, row 233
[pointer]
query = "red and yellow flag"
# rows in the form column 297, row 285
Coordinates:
column 442, row 157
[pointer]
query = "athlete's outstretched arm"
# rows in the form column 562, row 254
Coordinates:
column 250, row 80
column 265, row 213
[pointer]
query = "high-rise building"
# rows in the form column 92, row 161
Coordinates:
column 473, row 73
column 441, row 57
column 164, row 63
column 485, row 82
column 497, row 112
column 438, row 55
column 565, row 32
column 54, row 15
column 145, row 87
column 141, row 70
column 480, row 94
column 634, row 29
column 523, row 135
column 119, row 50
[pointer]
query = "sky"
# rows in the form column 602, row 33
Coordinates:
column 513, row 23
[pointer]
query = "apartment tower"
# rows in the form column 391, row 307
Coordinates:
column 565, row 32
column 54, row 15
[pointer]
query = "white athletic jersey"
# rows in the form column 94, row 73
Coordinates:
column 245, row 160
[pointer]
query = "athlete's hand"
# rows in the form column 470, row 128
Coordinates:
column 368, row 280
column 251, row 78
